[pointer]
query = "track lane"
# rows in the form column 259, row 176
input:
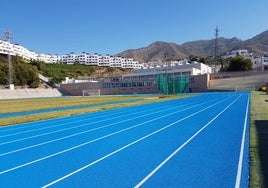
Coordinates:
column 99, row 148
column 212, row 157
column 66, row 144
column 158, row 146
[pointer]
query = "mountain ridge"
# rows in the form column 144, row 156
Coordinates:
column 165, row 51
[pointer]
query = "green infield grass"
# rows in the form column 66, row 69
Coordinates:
column 259, row 140
column 103, row 103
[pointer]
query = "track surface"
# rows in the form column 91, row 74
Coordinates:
column 194, row 142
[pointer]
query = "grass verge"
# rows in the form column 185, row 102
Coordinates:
column 22, row 105
column 258, row 139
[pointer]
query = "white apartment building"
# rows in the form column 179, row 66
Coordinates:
column 48, row 58
column 93, row 60
column 102, row 61
column 69, row 58
column 16, row 49
column 116, row 61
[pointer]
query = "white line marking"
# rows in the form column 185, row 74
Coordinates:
column 128, row 145
column 80, row 120
column 42, row 128
column 60, row 119
column 25, row 125
column 79, row 133
column 182, row 146
column 73, row 127
column 240, row 163
column 97, row 139
column 90, row 130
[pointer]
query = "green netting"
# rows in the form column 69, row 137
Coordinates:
column 168, row 84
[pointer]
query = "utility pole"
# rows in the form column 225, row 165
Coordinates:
column 8, row 36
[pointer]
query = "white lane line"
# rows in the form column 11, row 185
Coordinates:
column 128, row 145
column 13, row 127
column 240, row 163
column 72, row 122
column 182, row 146
column 16, row 127
column 73, row 119
column 80, row 120
column 43, row 128
column 100, row 138
column 95, row 122
column 79, row 133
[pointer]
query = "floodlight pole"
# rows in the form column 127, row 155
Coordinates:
column 167, row 77
column 165, row 55
column 8, row 36
column 216, row 46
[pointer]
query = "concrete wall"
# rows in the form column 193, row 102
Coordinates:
column 199, row 83
column 28, row 93
column 230, row 81
column 236, row 74
column 76, row 89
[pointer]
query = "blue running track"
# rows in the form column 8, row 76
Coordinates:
column 202, row 141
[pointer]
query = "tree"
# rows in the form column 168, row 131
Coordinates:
column 239, row 63
column 38, row 64
column 33, row 79
column 224, row 64
column 202, row 60
column 193, row 58
column 23, row 73
column 3, row 78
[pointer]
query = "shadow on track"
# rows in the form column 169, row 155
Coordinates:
column 262, row 131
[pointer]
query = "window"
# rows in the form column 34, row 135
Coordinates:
column 192, row 80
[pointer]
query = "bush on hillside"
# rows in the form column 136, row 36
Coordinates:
column 22, row 72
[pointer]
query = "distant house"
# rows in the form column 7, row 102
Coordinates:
column 240, row 52
column 260, row 63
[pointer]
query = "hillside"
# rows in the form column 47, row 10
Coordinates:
column 258, row 43
column 156, row 51
column 203, row 48
column 26, row 73
column 206, row 48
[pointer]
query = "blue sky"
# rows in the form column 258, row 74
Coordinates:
column 112, row 26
